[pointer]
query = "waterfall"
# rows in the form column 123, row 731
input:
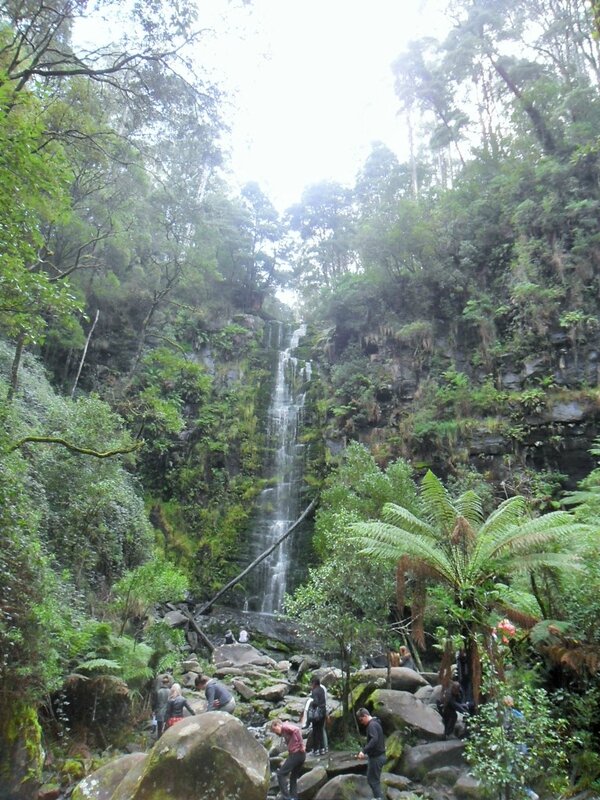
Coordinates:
column 279, row 505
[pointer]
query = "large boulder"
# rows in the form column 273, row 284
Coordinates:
column 274, row 693
column 310, row 783
column 102, row 784
column 402, row 710
column 208, row 757
column 402, row 679
column 238, row 655
column 343, row 786
column 420, row 760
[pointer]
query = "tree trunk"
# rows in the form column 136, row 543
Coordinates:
column 14, row 372
column 83, row 355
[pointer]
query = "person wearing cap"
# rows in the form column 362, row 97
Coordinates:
column 159, row 707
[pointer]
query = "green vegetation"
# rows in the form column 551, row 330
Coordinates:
column 452, row 304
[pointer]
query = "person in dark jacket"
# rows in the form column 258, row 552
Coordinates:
column 374, row 750
column 292, row 766
column 159, row 706
column 175, row 706
column 453, row 703
column 406, row 659
column 317, row 713
column 218, row 697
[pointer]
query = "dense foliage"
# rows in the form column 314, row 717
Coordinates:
column 454, row 325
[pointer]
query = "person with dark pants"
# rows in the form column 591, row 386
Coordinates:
column 159, row 706
column 318, row 712
column 452, row 704
column 292, row 766
column 374, row 750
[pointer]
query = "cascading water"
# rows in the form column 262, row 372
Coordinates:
column 278, row 506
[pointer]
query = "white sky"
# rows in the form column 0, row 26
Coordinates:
column 311, row 84
column 309, row 81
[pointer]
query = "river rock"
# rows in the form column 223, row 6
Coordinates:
column 402, row 679
column 274, row 693
column 421, row 759
column 101, row 784
column 343, row 786
column 208, row 757
column 175, row 619
column 399, row 710
column 400, row 782
column 192, row 665
column 188, row 680
column 328, row 676
column 468, row 786
column 238, row 655
column 245, row 691
column 310, row 783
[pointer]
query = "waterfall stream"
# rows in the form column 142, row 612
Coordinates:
column 279, row 505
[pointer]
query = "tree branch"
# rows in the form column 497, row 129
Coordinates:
column 73, row 447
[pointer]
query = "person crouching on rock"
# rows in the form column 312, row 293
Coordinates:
column 175, row 706
column 374, row 750
column 218, row 698
column 292, row 766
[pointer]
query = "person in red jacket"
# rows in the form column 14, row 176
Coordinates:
column 292, row 766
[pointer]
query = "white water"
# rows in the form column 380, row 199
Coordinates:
column 279, row 505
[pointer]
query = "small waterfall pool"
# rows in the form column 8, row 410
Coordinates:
column 279, row 505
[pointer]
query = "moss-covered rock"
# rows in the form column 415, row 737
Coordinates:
column 394, row 747
column 21, row 755
column 210, row 756
column 102, row 783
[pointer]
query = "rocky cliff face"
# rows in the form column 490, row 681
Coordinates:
column 438, row 402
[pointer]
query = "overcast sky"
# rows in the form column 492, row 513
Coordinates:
column 309, row 81
column 311, row 84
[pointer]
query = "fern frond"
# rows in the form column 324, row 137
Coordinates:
column 469, row 506
column 386, row 541
column 99, row 664
column 438, row 506
column 402, row 518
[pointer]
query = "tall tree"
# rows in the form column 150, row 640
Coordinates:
column 450, row 543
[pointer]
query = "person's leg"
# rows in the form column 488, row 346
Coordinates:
column 449, row 716
column 229, row 707
column 160, row 726
column 374, row 767
column 318, row 735
column 298, row 759
column 282, row 776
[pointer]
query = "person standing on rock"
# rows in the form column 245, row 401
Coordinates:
column 317, row 714
column 160, row 705
column 218, row 697
column 175, row 706
column 452, row 703
column 374, row 750
column 292, row 766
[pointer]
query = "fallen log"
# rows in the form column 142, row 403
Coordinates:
column 207, row 606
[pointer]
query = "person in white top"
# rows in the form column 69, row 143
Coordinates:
column 243, row 638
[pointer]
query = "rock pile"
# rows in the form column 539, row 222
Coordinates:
column 215, row 755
